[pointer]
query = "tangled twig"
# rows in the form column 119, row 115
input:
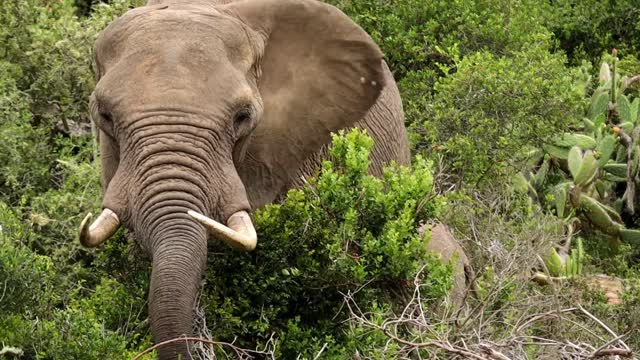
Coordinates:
column 241, row 353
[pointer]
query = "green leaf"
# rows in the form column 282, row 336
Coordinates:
column 606, row 147
column 613, row 213
column 581, row 140
column 575, row 161
column 538, row 179
column 588, row 169
column 557, row 151
column 599, row 103
column 602, row 187
column 613, row 178
column 589, row 126
column 599, row 121
column 621, row 155
column 566, row 140
column 618, row 205
column 561, row 200
column 630, row 236
column 624, row 109
column 605, row 73
column 618, row 170
column 585, row 141
column 569, row 266
column 598, row 216
column 627, row 126
column 553, row 262
column 634, row 110
column 579, row 255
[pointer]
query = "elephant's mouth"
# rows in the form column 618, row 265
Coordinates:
column 238, row 233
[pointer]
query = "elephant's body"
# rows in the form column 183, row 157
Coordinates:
column 210, row 109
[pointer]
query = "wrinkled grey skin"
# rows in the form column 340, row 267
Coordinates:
column 443, row 243
column 219, row 107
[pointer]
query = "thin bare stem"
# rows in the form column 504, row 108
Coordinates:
column 239, row 351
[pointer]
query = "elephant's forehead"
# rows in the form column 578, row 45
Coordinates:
column 171, row 30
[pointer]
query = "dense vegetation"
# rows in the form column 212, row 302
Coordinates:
column 525, row 141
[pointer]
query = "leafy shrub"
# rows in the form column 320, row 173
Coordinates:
column 28, row 279
column 443, row 52
column 49, row 318
column 22, row 143
column 417, row 35
column 46, row 78
column 587, row 29
column 346, row 232
column 493, row 107
column 507, row 235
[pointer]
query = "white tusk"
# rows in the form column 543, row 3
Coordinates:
column 102, row 229
column 239, row 233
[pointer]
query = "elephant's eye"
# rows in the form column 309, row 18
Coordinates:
column 103, row 119
column 243, row 121
column 105, row 122
column 106, row 117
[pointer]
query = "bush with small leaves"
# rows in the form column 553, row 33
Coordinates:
column 344, row 233
column 483, row 116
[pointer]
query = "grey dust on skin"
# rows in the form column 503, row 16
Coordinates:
column 210, row 109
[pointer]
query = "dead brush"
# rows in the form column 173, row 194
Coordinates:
column 510, row 317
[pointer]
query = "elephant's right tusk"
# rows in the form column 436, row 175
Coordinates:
column 101, row 229
column 239, row 233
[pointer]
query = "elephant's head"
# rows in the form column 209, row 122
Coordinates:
column 208, row 110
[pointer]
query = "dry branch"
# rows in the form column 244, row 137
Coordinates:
column 241, row 353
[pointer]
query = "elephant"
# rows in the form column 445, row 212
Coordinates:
column 444, row 244
column 208, row 110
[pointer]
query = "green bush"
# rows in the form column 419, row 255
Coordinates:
column 585, row 29
column 482, row 117
column 28, row 279
column 478, row 79
column 417, row 35
column 22, row 143
column 50, row 318
column 346, row 232
column 46, row 77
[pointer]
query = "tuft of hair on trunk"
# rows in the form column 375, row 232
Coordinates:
column 202, row 350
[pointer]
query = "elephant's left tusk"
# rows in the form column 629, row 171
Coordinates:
column 239, row 233
column 103, row 228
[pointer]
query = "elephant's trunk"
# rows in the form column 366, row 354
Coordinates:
column 172, row 174
column 178, row 247
column 179, row 260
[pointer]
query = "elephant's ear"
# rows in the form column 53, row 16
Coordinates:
column 319, row 72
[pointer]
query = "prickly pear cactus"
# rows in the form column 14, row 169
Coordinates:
column 579, row 175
